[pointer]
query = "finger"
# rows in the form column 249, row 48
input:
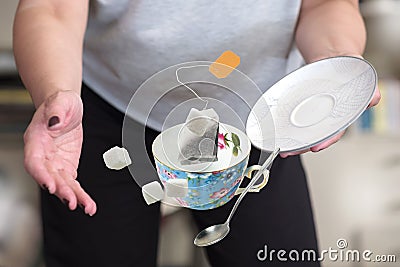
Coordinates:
column 293, row 153
column 377, row 97
column 327, row 143
column 63, row 189
column 70, row 192
column 66, row 195
column 84, row 200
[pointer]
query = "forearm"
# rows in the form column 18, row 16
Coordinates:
column 330, row 28
column 48, row 40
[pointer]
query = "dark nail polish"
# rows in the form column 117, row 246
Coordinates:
column 53, row 121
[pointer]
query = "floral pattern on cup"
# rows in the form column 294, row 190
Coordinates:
column 224, row 142
column 206, row 190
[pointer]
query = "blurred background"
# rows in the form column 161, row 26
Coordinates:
column 354, row 185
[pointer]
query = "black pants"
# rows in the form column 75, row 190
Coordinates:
column 124, row 231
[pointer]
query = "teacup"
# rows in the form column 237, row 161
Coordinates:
column 210, row 184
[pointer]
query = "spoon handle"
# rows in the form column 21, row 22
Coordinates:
column 266, row 165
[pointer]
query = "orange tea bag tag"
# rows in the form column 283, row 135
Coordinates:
column 224, row 64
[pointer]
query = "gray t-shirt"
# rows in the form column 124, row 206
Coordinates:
column 128, row 41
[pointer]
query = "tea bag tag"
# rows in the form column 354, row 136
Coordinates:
column 198, row 138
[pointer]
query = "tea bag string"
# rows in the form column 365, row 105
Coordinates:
column 190, row 89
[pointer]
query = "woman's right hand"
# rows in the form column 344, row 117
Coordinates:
column 53, row 142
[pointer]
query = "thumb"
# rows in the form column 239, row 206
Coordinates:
column 63, row 111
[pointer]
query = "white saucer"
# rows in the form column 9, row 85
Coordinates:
column 312, row 104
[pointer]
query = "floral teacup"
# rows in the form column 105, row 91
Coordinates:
column 210, row 184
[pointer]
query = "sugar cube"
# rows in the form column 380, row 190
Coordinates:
column 176, row 187
column 117, row 158
column 152, row 192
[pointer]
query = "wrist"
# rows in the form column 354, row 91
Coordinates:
column 332, row 54
column 39, row 98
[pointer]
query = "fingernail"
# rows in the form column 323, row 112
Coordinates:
column 320, row 149
column 53, row 121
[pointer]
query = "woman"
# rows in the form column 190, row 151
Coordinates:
column 125, row 42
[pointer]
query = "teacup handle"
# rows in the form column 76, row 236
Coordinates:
column 248, row 173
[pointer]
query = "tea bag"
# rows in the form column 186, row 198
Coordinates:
column 198, row 138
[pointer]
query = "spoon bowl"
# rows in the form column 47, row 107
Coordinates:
column 212, row 235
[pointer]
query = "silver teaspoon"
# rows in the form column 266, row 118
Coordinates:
column 216, row 233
